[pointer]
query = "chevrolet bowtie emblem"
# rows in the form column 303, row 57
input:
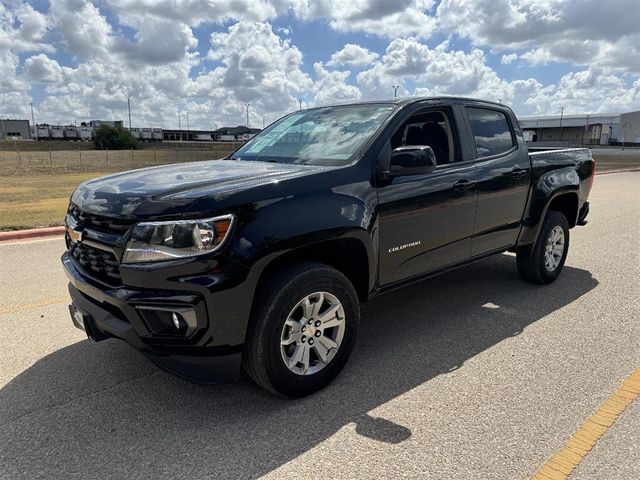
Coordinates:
column 76, row 236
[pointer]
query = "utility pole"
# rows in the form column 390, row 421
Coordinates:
column 561, row 114
column 33, row 122
column 129, row 109
column 248, row 105
column 180, row 124
column 300, row 103
column 395, row 91
column 263, row 120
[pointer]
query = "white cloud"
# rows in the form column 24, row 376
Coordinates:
column 378, row 17
column 41, row 68
column 85, row 32
column 441, row 71
column 259, row 66
column 508, row 58
column 156, row 41
column 584, row 33
column 22, row 29
column 197, row 12
column 352, row 54
column 332, row 87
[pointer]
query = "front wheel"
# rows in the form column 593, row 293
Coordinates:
column 303, row 330
column 544, row 263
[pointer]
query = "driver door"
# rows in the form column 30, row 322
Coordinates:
column 426, row 221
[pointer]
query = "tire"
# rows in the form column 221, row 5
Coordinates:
column 534, row 265
column 279, row 316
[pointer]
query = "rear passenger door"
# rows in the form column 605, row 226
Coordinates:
column 504, row 173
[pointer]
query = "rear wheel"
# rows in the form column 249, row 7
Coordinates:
column 303, row 330
column 544, row 263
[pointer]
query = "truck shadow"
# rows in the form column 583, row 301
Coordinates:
column 102, row 410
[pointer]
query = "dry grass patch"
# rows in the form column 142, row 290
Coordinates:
column 37, row 200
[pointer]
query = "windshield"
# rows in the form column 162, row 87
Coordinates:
column 319, row 136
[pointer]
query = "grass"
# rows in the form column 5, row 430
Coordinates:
column 35, row 186
column 38, row 200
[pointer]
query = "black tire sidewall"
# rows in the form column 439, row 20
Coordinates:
column 553, row 220
column 274, row 314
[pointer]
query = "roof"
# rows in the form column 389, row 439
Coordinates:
column 410, row 100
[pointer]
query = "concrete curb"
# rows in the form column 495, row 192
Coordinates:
column 31, row 233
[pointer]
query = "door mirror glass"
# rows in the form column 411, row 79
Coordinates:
column 412, row 160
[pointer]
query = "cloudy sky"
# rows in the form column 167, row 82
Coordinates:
column 77, row 60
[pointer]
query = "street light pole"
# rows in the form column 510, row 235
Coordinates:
column 33, row 122
column 300, row 103
column 263, row 120
column 248, row 105
column 187, row 112
column 180, row 124
column 561, row 114
column 129, row 109
column 395, row 91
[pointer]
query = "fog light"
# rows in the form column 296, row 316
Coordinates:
column 176, row 320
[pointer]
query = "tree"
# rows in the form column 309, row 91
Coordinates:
column 114, row 138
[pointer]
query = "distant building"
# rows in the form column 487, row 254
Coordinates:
column 175, row 135
column 224, row 134
column 18, row 129
column 584, row 129
column 240, row 133
column 109, row 123
column 629, row 128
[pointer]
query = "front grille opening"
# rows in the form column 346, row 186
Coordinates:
column 96, row 263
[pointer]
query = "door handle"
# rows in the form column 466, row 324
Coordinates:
column 463, row 185
column 518, row 173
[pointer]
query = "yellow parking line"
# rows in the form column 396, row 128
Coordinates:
column 560, row 465
column 28, row 306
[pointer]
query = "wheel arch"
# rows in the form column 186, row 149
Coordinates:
column 348, row 255
column 556, row 190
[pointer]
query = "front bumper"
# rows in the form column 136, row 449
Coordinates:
column 209, row 354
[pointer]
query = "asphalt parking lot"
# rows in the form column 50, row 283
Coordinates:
column 474, row 374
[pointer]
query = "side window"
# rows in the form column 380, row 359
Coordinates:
column 432, row 128
column 490, row 130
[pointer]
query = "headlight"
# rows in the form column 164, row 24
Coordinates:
column 156, row 241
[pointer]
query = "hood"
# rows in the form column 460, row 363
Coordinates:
column 170, row 189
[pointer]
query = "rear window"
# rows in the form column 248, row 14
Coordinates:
column 490, row 130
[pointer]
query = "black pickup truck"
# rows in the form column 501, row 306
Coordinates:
column 261, row 260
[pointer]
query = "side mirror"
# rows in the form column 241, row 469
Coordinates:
column 412, row 160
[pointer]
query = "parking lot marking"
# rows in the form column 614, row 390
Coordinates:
column 29, row 306
column 560, row 465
